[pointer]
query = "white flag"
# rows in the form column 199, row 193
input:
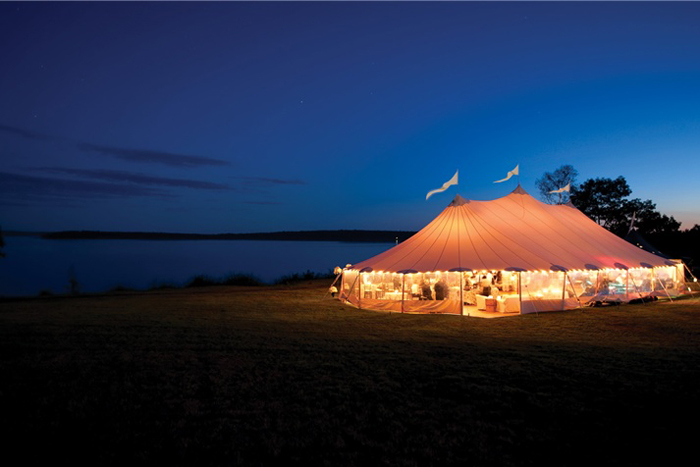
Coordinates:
column 561, row 190
column 634, row 217
column 510, row 174
column 445, row 186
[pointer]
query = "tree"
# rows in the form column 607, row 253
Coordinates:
column 648, row 220
column 566, row 174
column 604, row 201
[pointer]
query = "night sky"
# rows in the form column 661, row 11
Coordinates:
column 249, row 117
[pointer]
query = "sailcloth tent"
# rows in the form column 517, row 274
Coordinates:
column 536, row 257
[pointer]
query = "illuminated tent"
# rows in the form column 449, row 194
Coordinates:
column 546, row 257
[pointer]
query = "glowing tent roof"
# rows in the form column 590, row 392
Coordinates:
column 516, row 233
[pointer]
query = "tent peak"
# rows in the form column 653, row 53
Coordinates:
column 458, row 201
column 520, row 190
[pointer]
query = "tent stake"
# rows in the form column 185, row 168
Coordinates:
column 537, row 312
column 664, row 287
column 352, row 287
column 573, row 289
column 634, row 284
column 329, row 288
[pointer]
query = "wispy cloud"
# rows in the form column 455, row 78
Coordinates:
column 130, row 177
column 158, row 157
column 127, row 154
column 16, row 187
column 270, row 181
column 26, row 133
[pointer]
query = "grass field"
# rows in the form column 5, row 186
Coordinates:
column 280, row 376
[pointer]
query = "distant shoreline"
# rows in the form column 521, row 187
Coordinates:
column 350, row 236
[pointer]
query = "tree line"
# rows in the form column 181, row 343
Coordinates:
column 609, row 203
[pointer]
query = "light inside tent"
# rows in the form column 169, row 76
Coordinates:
column 441, row 291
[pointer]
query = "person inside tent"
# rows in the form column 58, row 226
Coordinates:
column 485, row 285
column 426, row 292
column 498, row 280
column 469, row 294
column 468, row 280
column 441, row 289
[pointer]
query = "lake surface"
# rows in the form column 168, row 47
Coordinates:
column 34, row 264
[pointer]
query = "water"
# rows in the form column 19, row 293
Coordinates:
column 33, row 264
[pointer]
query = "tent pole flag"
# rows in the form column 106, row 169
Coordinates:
column 515, row 171
column 634, row 216
column 561, row 190
column 445, row 186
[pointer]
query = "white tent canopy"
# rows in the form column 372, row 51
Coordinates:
column 515, row 233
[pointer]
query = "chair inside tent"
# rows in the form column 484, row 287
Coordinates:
column 510, row 255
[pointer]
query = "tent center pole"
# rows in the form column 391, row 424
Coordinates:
column 461, row 292
column 359, row 291
column 563, row 288
column 520, row 293
column 597, row 282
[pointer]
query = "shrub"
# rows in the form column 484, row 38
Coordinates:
column 242, row 279
column 201, row 281
column 307, row 276
column 163, row 286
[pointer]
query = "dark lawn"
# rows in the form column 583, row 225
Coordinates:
column 275, row 375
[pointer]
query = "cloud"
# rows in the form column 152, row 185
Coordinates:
column 127, row 154
column 25, row 188
column 26, row 133
column 130, row 177
column 271, row 181
column 262, row 202
column 158, row 157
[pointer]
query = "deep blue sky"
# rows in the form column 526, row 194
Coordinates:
column 244, row 117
